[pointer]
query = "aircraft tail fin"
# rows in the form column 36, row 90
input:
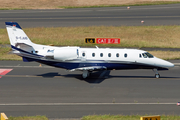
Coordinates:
column 20, row 43
column 16, row 34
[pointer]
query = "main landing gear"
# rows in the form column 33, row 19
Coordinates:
column 86, row 74
column 157, row 75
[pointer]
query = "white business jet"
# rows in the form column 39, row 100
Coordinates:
column 82, row 59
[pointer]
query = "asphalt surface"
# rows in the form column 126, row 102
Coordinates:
column 110, row 16
column 33, row 90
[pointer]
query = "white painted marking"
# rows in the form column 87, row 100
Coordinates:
column 60, row 18
column 139, row 8
column 61, row 104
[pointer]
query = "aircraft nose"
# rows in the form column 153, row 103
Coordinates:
column 167, row 64
column 164, row 63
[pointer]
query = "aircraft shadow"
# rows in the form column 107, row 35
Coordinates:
column 50, row 75
column 97, row 77
column 111, row 76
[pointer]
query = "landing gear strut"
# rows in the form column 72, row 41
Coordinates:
column 85, row 74
column 157, row 75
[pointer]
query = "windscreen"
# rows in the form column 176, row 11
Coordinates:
column 147, row 55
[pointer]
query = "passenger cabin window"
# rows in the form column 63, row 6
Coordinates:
column 83, row 54
column 109, row 54
column 93, row 54
column 117, row 55
column 140, row 55
column 101, row 54
column 125, row 55
column 147, row 55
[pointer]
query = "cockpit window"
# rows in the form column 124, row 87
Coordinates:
column 147, row 55
column 144, row 55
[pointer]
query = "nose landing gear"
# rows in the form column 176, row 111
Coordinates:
column 157, row 75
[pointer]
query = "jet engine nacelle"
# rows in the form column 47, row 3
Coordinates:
column 65, row 53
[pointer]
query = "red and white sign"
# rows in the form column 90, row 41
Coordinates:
column 108, row 40
column 178, row 104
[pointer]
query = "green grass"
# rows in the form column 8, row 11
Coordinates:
column 122, row 117
column 29, row 118
column 131, row 36
column 12, row 8
column 134, row 4
column 5, row 54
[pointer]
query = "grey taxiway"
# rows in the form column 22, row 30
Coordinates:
column 109, row 16
column 33, row 90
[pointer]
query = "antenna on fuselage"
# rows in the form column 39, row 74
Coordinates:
column 97, row 47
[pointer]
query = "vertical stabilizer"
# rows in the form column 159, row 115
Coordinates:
column 20, row 43
column 16, row 34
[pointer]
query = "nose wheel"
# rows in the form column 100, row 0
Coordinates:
column 157, row 75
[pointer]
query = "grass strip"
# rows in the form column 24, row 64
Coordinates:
column 29, row 118
column 6, row 55
column 166, row 55
column 131, row 36
column 143, row 3
column 13, row 8
column 125, row 117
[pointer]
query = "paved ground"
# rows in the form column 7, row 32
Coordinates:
column 32, row 90
column 111, row 16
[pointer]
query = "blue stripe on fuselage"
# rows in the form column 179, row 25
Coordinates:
column 109, row 66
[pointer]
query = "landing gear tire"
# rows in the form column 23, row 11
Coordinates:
column 157, row 76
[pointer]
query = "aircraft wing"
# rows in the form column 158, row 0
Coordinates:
column 92, row 68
